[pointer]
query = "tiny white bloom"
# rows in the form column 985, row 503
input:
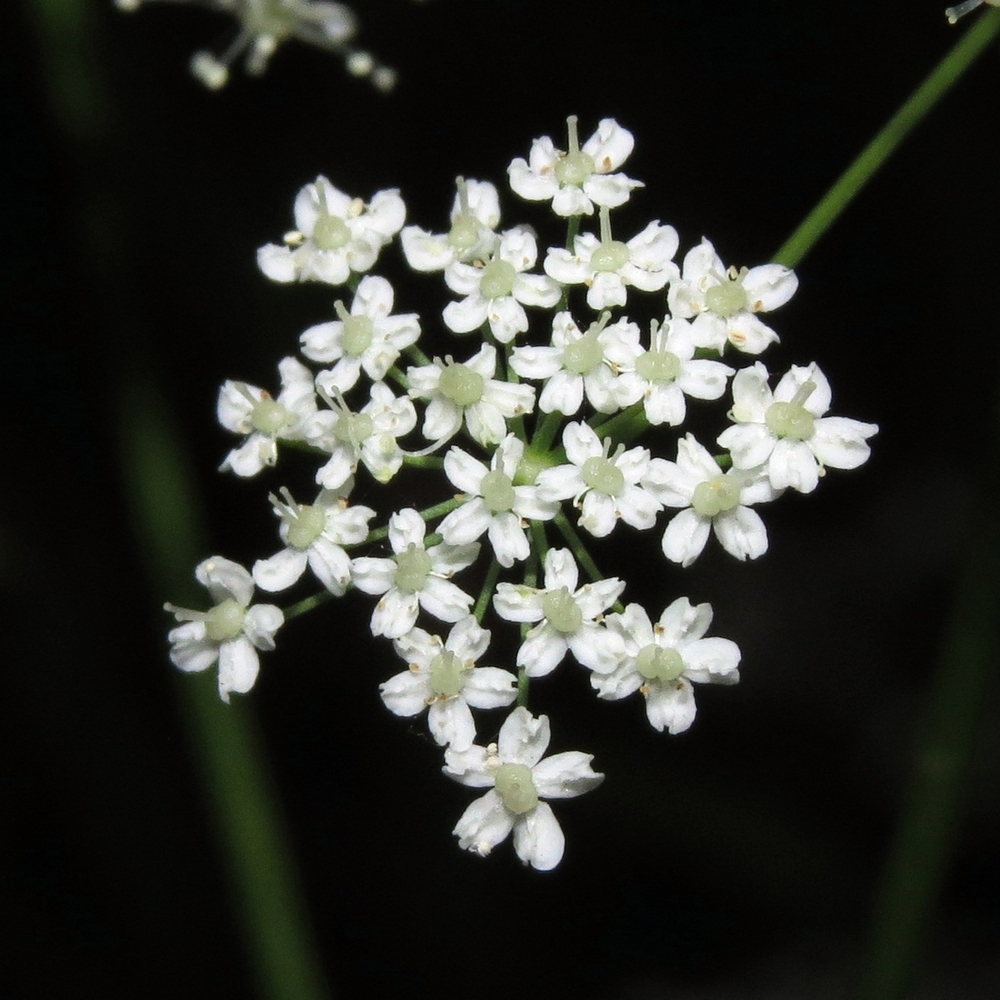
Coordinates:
column 368, row 337
column 580, row 178
column 576, row 364
column 519, row 778
column 475, row 216
column 608, row 266
column 786, row 432
column 369, row 436
column 665, row 373
column 314, row 535
column 416, row 577
column 715, row 501
column 245, row 409
column 725, row 303
column 494, row 505
column 444, row 679
column 497, row 290
column 568, row 618
column 230, row 633
column 335, row 235
column 606, row 487
column 662, row 660
column 467, row 391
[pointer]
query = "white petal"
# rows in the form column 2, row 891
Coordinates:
column 671, row 706
column 741, row 532
column 484, row 824
column 238, row 667
column 538, row 838
column 280, row 571
column 450, row 723
column 565, row 775
column 406, row 693
column 523, row 739
column 685, row 537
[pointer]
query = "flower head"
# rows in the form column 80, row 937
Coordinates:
column 519, row 778
column 230, row 633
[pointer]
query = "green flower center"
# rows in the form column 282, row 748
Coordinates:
column 790, row 420
column 716, row 496
column 447, row 674
column 497, row 491
column 464, row 233
column 268, row 416
column 330, row 233
column 574, row 168
column 602, row 475
column 610, row 256
column 497, row 280
column 224, row 621
column 561, row 611
column 461, row 385
column 412, row 569
column 269, row 17
column 306, row 526
column 659, row 663
column 353, row 428
column 583, row 355
column 516, row 788
column 658, row 366
column 728, row 297
column 358, row 334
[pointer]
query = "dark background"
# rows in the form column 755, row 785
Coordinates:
column 738, row 860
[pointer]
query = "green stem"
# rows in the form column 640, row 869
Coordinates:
column 307, row 604
column 487, row 591
column 428, row 514
column 871, row 158
column 576, row 546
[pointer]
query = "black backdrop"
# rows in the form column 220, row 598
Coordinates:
column 737, row 860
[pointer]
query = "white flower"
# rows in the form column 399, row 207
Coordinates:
column 725, row 302
column 444, row 679
column 414, row 576
column 662, row 660
column 335, row 235
column 664, row 374
column 314, row 535
column 245, row 409
column 606, row 487
column 468, row 391
column 607, row 266
column 575, row 364
column 787, row 432
column 568, row 618
column 578, row 179
column 497, row 291
column 230, row 633
column 475, row 216
column 961, row 9
column 494, row 505
column 367, row 338
column 714, row 500
column 519, row 779
column 369, row 436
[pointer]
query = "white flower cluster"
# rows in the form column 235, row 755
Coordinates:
column 561, row 410
column 265, row 24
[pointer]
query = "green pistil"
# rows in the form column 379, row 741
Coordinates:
column 658, row 366
column 575, row 167
column 224, row 621
column 330, row 233
column 729, row 297
column 497, row 280
column 790, row 420
column 603, row 476
column 561, row 611
column 447, row 674
column 353, row 428
column 306, row 526
column 516, row 788
column 716, row 496
column 412, row 569
column 461, row 385
column 358, row 331
column 659, row 663
column 268, row 415
column 497, row 491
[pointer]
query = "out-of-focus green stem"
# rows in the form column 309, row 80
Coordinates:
column 266, row 897
column 816, row 223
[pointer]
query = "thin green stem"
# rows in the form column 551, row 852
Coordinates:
column 417, row 355
column 424, row 461
column 546, row 431
column 483, row 601
column 576, row 546
column 871, row 158
column 307, row 604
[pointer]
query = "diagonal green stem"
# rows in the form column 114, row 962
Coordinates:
column 871, row 158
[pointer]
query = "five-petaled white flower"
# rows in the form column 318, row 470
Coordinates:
column 568, row 618
column 416, row 577
column 245, row 409
column 335, row 235
column 497, row 290
column 230, row 633
column 606, row 487
column 725, row 303
column 715, row 501
column 786, row 432
column 314, row 535
column 662, row 660
column 468, row 391
column 608, row 266
column 444, row 679
column 494, row 505
column 368, row 337
column 519, row 777
column 580, row 178
column 475, row 216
